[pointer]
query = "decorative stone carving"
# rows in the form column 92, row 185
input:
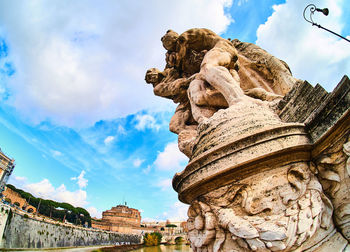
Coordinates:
column 280, row 212
column 346, row 149
column 333, row 170
column 262, row 175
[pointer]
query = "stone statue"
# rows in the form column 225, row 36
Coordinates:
column 203, row 73
column 269, row 154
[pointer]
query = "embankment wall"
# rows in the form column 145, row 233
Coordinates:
column 19, row 231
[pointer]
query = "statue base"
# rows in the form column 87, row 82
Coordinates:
column 257, row 183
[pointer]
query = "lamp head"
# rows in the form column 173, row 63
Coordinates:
column 325, row 11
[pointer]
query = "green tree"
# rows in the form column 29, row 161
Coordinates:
column 170, row 225
column 152, row 239
column 54, row 209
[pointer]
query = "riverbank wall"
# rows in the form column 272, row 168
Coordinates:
column 18, row 230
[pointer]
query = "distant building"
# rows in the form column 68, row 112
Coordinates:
column 16, row 199
column 119, row 219
column 169, row 227
column 6, row 167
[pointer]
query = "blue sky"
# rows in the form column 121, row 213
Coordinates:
column 76, row 114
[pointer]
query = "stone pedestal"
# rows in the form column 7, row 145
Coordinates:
column 256, row 182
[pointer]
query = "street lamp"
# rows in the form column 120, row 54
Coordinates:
column 312, row 8
column 65, row 213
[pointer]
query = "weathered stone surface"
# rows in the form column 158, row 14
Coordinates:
column 334, row 109
column 301, row 102
column 315, row 107
column 269, row 154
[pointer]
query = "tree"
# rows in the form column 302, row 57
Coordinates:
column 152, row 239
column 55, row 210
column 170, row 225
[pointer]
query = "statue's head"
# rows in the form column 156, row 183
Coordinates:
column 169, row 40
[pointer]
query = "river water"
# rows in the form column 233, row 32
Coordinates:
column 165, row 248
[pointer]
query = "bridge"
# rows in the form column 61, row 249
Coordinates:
column 173, row 238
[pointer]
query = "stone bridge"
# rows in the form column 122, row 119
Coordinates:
column 171, row 238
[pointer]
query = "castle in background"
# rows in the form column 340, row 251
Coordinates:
column 119, row 219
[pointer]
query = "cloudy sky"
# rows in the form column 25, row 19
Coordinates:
column 77, row 115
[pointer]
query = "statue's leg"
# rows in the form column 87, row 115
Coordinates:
column 221, row 79
column 213, row 70
column 196, row 95
column 186, row 132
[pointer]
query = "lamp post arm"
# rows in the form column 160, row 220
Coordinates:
column 320, row 26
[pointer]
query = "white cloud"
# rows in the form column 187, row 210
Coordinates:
column 164, row 184
column 109, row 140
column 94, row 212
column 137, row 162
column 17, row 181
column 81, row 181
column 240, row 2
column 178, row 212
column 76, row 198
column 147, row 170
column 171, row 159
column 146, row 121
column 56, row 153
column 78, row 62
column 312, row 53
column 44, row 189
column 121, row 130
column 20, row 178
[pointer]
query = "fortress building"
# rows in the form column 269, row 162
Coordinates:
column 120, row 219
column 15, row 198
